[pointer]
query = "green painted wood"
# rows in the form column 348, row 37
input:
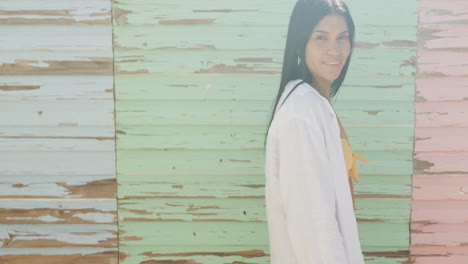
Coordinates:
column 193, row 233
column 370, row 138
column 241, row 234
column 233, row 162
column 152, row 209
column 196, row 254
column 209, row 37
column 197, row 87
column 230, row 254
column 240, row 113
column 253, row 13
column 192, row 109
column 369, row 62
column 379, row 186
column 384, row 236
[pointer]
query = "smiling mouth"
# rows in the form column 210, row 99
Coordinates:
column 332, row 62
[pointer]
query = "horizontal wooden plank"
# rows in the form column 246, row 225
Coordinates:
column 248, row 113
column 182, row 162
column 366, row 62
column 441, row 139
column 51, row 235
column 68, row 211
column 245, row 210
column 196, row 87
column 222, row 12
column 250, row 88
column 56, row 38
column 443, row 37
column 442, row 114
column 231, row 254
column 435, row 12
column 376, row 113
column 382, row 210
column 248, row 13
column 368, row 12
column 249, row 137
column 77, row 132
column 56, row 144
column 67, row 185
column 444, row 258
column 380, row 186
column 56, row 12
column 428, row 89
column 218, row 162
column 193, row 233
column 56, row 63
column 56, row 88
column 440, row 187
column 200, row 209
column 245, row 188
column 441, row 63
column 440, row 163
column 57, row 113
column 193, row 113
column 376, row 88
column 396, row 236
column 439, row 211
column 435, row 234
column 431, row 250
column 102, row 258
column 69, row 163
column 50, row 251
column 195, row 254
column 202, row 37
column 387, row 257
column 370, row 186
column 215, row 37
column 242, row 234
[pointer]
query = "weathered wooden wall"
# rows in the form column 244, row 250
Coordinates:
column 57, row 163
column 439, row 229
column 376, row 105
column 194, row 88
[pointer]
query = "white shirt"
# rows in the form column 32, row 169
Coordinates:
column 309, row 207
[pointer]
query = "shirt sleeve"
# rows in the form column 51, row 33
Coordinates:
column 307, row 193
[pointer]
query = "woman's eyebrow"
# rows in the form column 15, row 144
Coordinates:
column 326, row 32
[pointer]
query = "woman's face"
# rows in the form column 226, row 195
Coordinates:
column 328, row 49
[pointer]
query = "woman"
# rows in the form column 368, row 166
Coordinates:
column 308, row 197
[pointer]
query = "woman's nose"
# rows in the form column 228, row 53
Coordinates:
column 333, row 48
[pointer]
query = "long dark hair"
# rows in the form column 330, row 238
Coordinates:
column 304, row 18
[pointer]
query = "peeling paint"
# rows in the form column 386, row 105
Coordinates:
column 18, row 88
column 187, row 21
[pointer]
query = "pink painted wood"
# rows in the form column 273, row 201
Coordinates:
column 440, row 260
column 440, row 188
column 444, row 37
column 439, row 227
column 436, row 89
column 441, row 163
column 438, row 254
column 442, row 114
column 454, row 234
column 436, row 139
column 442, row 63
column 443, row 11
column 439, row 211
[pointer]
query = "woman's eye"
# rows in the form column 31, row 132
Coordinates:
column 344, row 37
column 320, row 37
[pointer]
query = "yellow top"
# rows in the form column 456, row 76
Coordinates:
column 350, row 159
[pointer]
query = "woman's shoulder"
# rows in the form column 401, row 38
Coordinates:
column 304, row 100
